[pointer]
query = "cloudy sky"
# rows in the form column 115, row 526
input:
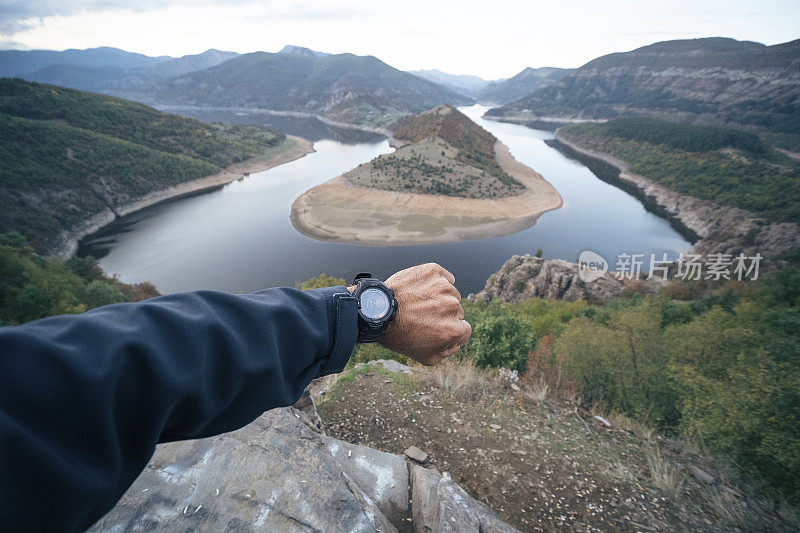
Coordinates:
column 491, row 39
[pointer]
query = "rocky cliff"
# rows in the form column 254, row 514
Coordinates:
column 714, row 80
column 282, row 473
column 524, row 276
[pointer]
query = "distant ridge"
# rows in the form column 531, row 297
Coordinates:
column 106, row 70
column 343, row 87
column 522, row 84
column 463, row 84
column 301, row 51
column 18, row 63
column 715, row 80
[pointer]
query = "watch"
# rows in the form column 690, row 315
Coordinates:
column 377, row 307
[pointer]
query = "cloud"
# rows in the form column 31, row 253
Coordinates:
column 20, row 15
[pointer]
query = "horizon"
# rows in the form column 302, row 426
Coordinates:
column 450, row 37
column 213, row 48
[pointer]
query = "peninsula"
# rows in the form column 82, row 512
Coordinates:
column 449, row 180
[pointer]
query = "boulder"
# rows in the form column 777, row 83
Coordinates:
column 282, row 473
column 276, row 474
column 440, row 506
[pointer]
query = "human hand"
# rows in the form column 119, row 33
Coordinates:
column 430, row 324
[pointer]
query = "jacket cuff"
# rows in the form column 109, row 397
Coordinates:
column 343, row 325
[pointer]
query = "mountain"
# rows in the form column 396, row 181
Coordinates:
column 67, row 155
column 18, row 63
column 344, row 87
column 715, row 80
column 523, row 84
column 96, row 79
column 463, row 84
column 301, row 51
column 444, row 152
column 189, row 63
column 115, row 78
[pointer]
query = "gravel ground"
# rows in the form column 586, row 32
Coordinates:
column 540, row 466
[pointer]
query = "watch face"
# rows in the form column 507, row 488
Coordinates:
column 374, row 304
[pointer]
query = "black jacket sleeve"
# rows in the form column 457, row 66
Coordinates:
column 84, row 399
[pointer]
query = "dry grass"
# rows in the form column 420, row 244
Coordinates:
column 620, row 421
column 463, row 380
column 664, row 473
column 543, row 379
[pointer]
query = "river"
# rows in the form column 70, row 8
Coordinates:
column 239, row 238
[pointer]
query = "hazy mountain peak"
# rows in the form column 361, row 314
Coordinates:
column 461, row 83
column 301, row 51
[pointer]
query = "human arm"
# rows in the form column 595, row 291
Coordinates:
column 84, row 399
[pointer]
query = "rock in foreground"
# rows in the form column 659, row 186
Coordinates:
column 281, row 473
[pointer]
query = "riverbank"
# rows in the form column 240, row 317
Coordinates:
column 341, row 212
column 292, row 148
column 278, row 113
column 717, row 228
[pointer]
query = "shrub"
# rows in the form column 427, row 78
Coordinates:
column 322, row 281
column 100, row 292
column 502, row 342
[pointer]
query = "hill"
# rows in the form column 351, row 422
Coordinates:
column 727, row 166
column 467, row 85
column 448, row 180
column 714, row 80
column 523, row 84
column 467, row 165
column 19, row 63
column 118, row 73
column 67, row 155
column 342, row 87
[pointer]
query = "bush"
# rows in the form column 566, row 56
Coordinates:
column 502, row 342
column 100, row 292
column 322, row 281
column 32, row 287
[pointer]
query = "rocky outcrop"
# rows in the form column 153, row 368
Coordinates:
column 523, row 277
column 718, row 228
column 282, row 473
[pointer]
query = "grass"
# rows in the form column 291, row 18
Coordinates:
column 430, row 166
column 463, row 380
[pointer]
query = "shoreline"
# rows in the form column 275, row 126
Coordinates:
column 279, row 113
column 70, row 239
column 718, row 228
column 337, row 211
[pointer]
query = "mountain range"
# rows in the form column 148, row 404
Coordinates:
column 711, row 80
column 343, row 87
column 714, row 80
column 501, row 91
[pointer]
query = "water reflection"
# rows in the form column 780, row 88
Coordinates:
column 240, row 238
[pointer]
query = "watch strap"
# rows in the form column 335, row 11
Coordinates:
column 370, row 332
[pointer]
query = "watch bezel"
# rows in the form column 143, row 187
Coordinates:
column 371, row 283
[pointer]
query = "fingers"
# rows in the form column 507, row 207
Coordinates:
column 465, row 331
column 450, row 277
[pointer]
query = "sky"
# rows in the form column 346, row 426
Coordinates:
column 492, row 39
